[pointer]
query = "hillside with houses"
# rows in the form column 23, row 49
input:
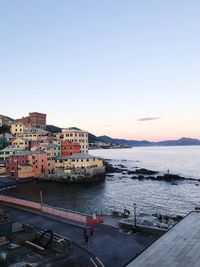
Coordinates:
column 30, row 150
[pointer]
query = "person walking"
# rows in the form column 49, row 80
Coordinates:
column 91, row 230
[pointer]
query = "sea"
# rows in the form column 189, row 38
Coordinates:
column 119, row 191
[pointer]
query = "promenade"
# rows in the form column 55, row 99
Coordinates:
column 111, row 246
column 179, row 247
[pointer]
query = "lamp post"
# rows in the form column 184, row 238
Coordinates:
column 41, row 198
column 135, row 219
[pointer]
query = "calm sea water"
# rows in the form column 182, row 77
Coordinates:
column 120, row 191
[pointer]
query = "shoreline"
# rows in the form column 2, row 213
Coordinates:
column 144, row 174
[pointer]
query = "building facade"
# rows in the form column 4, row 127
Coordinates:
column 38, row 160
column 78, row 161
column 75, row 136
column 21, row 144
column 69, row 148
column 19, row 127
column 35, row 119
column 13, row 162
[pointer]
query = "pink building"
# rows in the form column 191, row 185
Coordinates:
column 12, row 163
column 38, row 159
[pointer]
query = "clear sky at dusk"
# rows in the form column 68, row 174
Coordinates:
column 128, row 69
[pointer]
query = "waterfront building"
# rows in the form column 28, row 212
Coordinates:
column 51, row 165
column 69, row 148
column 78, row 160
column 21, row 144
column 35, row 119
column 2, row 166
column 17, row 165
column 25, row 171
column 38, row 160
column 75, row 135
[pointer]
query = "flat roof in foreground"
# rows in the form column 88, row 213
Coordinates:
column 179, row 247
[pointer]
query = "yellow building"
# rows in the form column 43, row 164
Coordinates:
column 78, row 161
column 50, row 165
column 2, row 167
column 20, row 144
column 32, row 134
column 19, row 127
column 25, row 171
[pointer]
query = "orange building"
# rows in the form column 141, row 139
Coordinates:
column 69, row 148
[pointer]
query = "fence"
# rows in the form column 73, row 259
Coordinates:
column 67, row 214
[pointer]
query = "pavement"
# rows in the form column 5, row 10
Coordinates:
column 179, row 247
column 112, row 247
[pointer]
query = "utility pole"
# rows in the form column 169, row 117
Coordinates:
column 41, row 198
column 135, row 219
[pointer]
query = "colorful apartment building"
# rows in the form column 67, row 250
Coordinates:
column 75, row 135
column 78, row 161
column 38, row 160
column 51, row 149
column 28, row 164
column 33, row 134
column 15, row 161
column 19, row 127
column 69, row 148
column 21, row 144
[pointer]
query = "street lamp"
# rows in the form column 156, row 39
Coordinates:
column 135, row 219
column 41, row 198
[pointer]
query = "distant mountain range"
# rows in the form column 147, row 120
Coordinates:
column 132, row 143
column 180, row 142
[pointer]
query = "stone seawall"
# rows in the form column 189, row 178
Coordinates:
column 85, row 175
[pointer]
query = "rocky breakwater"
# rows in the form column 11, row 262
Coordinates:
column 145, row 174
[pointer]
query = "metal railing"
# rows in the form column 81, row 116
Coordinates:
column 67, row 214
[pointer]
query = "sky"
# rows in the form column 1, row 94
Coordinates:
column 124, row 68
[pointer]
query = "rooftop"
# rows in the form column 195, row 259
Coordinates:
column 180, row 246
column 8, row 149
column 77, row 156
